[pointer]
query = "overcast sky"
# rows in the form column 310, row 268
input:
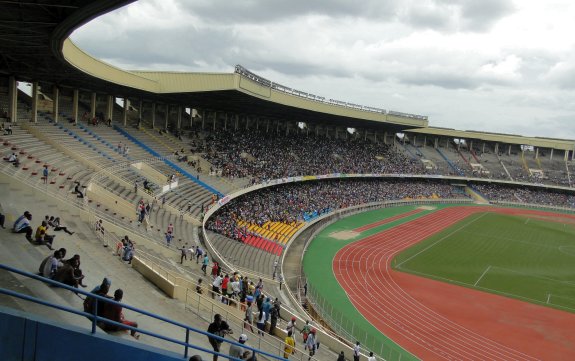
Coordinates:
column 490, row 65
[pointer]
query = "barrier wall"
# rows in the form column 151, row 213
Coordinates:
column 26, row 337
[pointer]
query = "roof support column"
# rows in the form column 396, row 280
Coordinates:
column 93, row 106
column 536, row 153
column 483, row 148
column 204, row 120
column 375, row 137
column 424, row 141
column 55, row 100
column 125, row 112
column 257, row 123
column 140, row 110
column 215, row 120
column 226, row 122
column 12, row 99
column 153, row 115
column 247, row 122
column 551, row 154
column 179, row 117
column 75, row 105
column 268, row 126
column 436, row 143
column 447, row 143
column 470, row 146
column 566, row 156
column 167, row 116
column 110, row 107
column 34, row 115
column 365, row 135
column 287, row 129
column 509, row 150
column 497, row 148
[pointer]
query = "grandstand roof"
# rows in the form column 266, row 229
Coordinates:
column 538, row 142
column 35, row 47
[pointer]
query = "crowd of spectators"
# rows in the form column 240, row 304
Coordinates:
column 265, row 156
column 295, row 202
column 510, row 193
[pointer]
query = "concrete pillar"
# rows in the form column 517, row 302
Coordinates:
column 268, row 126
column 125, row 112
column 203, row 119
column 140, row 110
column 179, row 117
column 13, row 99
column 536, row 153
column 470, row 146
column 551, row 154
column 447, row 143
column 167, row 116
column 215, row 120
column 483, row 148
column 110, row 107
column 424, row 141
column 375, row 137
column 257, row 123
column 247, row 122
column 365, row 136
column 496, row 148
column 287, row 129
column 436, row 143
column 34, row 107
column 509, row 150
column 75, row 105
column 566, row 156
column 93, row 106
column 55, row 101
column 153, row 115
column 226, row 122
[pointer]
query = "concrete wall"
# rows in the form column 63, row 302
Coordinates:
column 25, row 337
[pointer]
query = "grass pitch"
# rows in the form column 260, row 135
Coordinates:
column 531, row 259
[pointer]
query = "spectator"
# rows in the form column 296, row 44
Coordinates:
column 55, row 223
column 218, row 328
column 238, row 351
column 289, row 345
column 114, row 312
column 42, row 236
column 22, row 225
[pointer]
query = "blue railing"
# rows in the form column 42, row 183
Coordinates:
column 167, row 161
column 453, row 166
column 95, row 319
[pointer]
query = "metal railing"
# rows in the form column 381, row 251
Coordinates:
column 96, row 320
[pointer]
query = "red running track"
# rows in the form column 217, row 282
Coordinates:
column 440, row 321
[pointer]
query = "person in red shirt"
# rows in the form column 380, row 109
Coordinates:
column 114, row 312
column 225, row 283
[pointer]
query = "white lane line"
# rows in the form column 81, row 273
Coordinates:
column 483, row 274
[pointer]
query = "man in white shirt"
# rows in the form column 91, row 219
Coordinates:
column 22, row 225
column 356, row 351
column 216, row 285
column 371, row 357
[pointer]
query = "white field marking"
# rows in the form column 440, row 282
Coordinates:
column 527, row 221
column 438, row 241
column 571, row 283
column 548, row 297
column 480, row 277
column 491, row 290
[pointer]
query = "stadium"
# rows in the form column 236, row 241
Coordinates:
column 198, row 194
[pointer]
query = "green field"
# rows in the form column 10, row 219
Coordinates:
column 525, row 258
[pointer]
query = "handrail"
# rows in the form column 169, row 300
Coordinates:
column 95, row 318
column 222, row 308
